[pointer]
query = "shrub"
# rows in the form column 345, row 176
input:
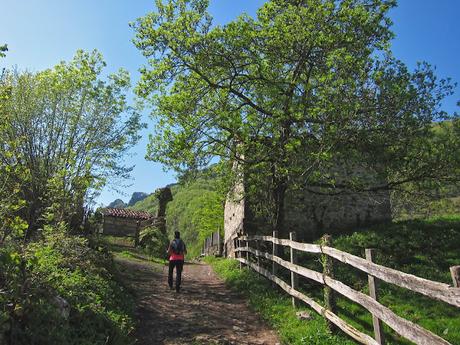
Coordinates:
column 38, row 280
column 154, row 241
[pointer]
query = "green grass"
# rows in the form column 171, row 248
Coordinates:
column 275, row 307
column 124, row 247
column 423, row 208
column 101, row 309
column 426, row 248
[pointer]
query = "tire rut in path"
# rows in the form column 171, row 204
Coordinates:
column 204, row 312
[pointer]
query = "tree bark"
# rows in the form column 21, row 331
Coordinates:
column 279, row 194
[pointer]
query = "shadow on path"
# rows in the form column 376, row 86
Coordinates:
column 204, row 312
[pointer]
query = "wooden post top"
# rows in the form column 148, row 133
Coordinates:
column 455, row 272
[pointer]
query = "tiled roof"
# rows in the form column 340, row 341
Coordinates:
column 126, row 213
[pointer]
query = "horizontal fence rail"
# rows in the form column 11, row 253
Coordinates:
column 350, row 330
column 436, row 290
column 403, row 327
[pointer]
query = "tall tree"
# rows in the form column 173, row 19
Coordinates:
column 306, row 86
column 68, row 130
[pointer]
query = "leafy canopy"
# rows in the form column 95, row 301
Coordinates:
column 65, row 130
column 305, row 86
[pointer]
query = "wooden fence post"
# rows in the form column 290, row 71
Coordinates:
column 247, row 253
column 274, row 253
column 241, row 244
column 239, row 253
column 294, row 276
column 328, row 270
column 258, row 253
column 378, row 330
column 455, row 273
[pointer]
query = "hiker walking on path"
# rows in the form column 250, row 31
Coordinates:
column 176, row 253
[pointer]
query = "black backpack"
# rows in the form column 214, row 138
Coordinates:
column 177, row 246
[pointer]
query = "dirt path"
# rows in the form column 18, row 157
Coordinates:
column 204, row 312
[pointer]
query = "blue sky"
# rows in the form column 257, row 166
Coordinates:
column 40, row 33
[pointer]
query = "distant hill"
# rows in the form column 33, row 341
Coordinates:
column 196, row 211
column 118, row 203
column 150, row 202
column 136, row 197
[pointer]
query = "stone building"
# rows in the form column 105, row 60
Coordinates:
column 123, row 222
column 308, row 212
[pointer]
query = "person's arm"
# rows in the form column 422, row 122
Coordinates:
column 169, row 251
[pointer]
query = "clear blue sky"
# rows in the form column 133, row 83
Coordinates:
column 40, row 33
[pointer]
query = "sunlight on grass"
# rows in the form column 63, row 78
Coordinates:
column 275, row 307
column 426, row 248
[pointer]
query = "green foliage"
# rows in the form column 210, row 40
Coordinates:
column 64, row 130
column 149, row 204
column 303, row 87
column 424, row 199
column 34, row 277
column 3, row 49
column 275, row 307
column 426, row 248
column 154, row 241
column 196, row 211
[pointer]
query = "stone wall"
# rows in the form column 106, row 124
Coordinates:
column 234, row 217
column 311, row 212
column 115, row 226
column 312, row 215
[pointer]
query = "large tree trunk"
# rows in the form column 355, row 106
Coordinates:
column 279, row 194
column 280, row 180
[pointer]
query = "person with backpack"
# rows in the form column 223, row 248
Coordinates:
column 176, row 253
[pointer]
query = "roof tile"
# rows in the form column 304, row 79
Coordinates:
column 126, row 213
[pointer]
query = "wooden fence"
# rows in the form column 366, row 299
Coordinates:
column 251, row 256
column 213, row 245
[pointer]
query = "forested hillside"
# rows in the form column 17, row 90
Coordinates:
column 196, row 211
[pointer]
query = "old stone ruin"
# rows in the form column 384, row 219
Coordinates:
column 122, row 222
column 308, row 212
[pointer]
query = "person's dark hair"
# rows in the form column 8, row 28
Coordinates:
column 177, row 234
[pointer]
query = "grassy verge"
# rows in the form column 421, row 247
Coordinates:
column 275, row 307
column 124, row 247
column 62, row 290
column 426, row 248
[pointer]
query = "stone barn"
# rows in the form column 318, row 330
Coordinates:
column 124, row 222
